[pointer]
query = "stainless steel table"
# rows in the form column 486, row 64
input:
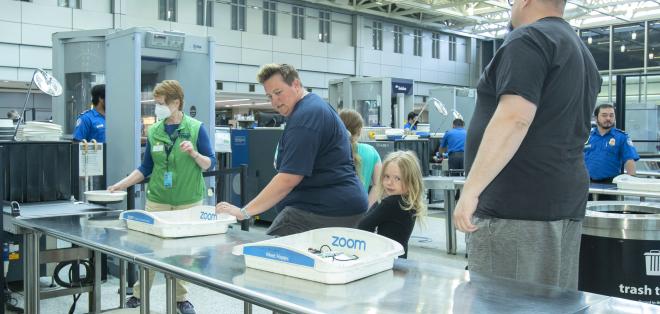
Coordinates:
column 410, row 287
column 648, row 173
column 612, row 189
column 449, row 185
column 32, row 249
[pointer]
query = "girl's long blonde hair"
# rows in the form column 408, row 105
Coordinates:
column 353, row 122
column 411, row 179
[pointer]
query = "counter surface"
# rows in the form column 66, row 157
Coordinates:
column 410, row 287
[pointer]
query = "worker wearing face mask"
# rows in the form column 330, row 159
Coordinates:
column 178, row 150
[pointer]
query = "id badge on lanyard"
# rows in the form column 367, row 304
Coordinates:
column 167, row 178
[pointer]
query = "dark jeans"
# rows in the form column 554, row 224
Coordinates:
column 456, row 164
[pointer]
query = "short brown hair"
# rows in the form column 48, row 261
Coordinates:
column 288, row 72
column 171, row 90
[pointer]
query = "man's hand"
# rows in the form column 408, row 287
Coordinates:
column 463, row 212
column 224, row 207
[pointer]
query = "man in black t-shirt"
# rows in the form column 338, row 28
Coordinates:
column 525, row 195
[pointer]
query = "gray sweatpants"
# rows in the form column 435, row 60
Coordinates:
column 545, row 252
column 292, row 220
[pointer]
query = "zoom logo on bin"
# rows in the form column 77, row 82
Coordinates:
column 208, row 216
column 349, row 243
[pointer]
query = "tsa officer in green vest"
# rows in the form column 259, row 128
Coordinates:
column 178, row 150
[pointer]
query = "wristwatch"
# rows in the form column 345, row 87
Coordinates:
column 245, row 213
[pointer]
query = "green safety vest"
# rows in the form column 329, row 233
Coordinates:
column 187, row 181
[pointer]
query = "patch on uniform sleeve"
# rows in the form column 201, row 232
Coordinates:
column 612, row 142
column 78, row 122
column 630, row 143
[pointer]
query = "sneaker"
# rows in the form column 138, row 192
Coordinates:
column 132, row 302
column 184, row 307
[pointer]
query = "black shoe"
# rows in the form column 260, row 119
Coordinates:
column 133, row 302
column 185, row 307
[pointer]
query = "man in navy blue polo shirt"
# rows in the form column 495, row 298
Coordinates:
column 91, row 123
column 316, row 182
column 608, row 150
column 453, row 142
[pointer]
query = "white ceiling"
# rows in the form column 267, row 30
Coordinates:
column 489, row 18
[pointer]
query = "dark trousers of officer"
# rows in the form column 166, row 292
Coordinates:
column 603, row 197
column 456, row 164
column 456, row 167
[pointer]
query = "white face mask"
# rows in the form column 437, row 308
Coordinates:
column 162, row 112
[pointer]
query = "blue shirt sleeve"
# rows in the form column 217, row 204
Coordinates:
column 299, row 151
column 147, row 163
column 205, row 147
column 83, row 125
column 629, row 151
column 445, row 140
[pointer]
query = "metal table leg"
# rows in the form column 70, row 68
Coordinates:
column 122, row 284
column 130, row 278
column 170, row 294
column 144, row 290
column 96, row 306
column 247, row 308
column 451, row 230
column 31, row 271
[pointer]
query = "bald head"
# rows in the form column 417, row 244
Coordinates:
column 525, row 12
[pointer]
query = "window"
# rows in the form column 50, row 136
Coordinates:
column 628, row 46
column 167, row 10
column 377, row 35
column 238, row 15
column 75, row 4
column 270, row 18
column 417, row 42
column 597, row 41
column 398, row 39
column 324, row 26
column 298, row 21
column 435, row 46
column 205, row 12
column 452, row 48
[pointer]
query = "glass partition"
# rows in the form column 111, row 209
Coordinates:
column 628, row 46
column 598, row 43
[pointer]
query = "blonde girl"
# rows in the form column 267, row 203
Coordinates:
column 400, row 192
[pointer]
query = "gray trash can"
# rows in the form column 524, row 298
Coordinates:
column 620, row 250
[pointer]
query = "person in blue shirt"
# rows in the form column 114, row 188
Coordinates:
column 453, row 142
column 316, row 183
column 608, row 150
column 91, row 123
column 411, row 119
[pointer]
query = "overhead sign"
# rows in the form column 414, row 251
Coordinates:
column 402, row 87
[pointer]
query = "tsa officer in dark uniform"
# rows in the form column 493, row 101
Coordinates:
column 91, row 123
column 608, row 150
